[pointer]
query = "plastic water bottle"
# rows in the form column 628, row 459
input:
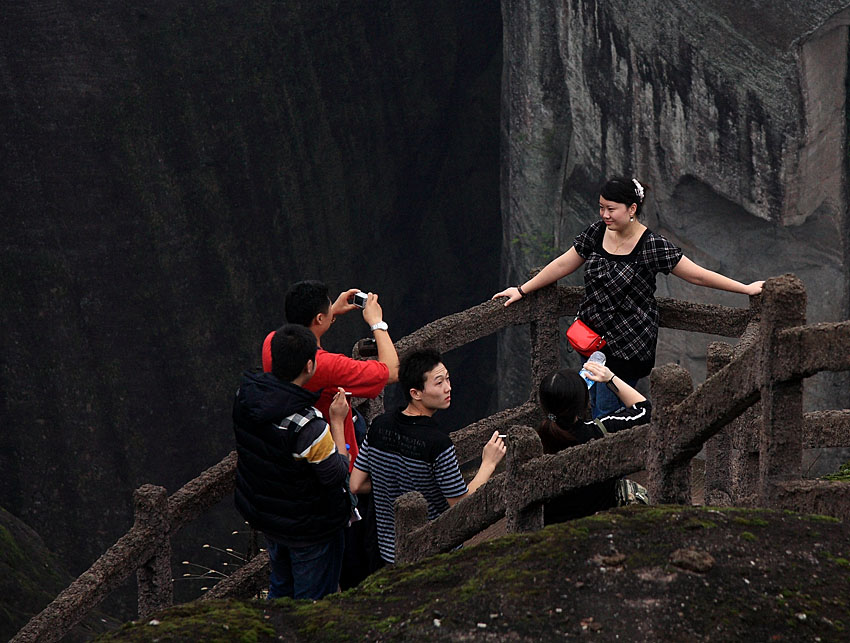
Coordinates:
column 596, row 356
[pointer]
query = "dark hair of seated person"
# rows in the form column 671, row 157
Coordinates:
column 563, row 395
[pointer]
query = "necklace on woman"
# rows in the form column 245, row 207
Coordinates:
column 624, row 242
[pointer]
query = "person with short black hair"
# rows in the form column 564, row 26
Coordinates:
column 304, row 300
column 291, row 469
column 308, row 304
column 406, row 450
column 622, row 259
column 414, row 369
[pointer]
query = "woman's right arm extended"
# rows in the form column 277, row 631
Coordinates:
column 564, row 265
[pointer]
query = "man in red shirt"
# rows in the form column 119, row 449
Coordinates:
column 307, row 303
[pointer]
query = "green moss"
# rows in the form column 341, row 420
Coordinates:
column 660, row 512
column 820, row 518
column 841, row 562
column 842, row 475
column 470, row 588
column 415, row 575
column 750, row 511
column 696, row 523
column 201, row 621
column 750, row 522
column 603, row 517
column 537, row 247
column 748, row 535
column 11, row 552
column 387, row 624
column 580, row 532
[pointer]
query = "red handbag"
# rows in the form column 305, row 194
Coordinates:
column 583, row 339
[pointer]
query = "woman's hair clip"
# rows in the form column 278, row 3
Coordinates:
column 638, row 189
column 552, row 417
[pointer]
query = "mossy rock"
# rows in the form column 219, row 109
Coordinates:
column 30, row 578
column 633, row 574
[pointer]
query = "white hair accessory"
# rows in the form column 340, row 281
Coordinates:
column 638, row 189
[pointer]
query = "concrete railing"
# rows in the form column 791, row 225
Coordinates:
column 766, row 370
column 718, row 413
column 144, row 550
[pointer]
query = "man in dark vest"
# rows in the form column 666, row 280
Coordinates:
column 292, row 465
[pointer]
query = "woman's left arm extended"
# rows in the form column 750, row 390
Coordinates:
column 695, row 274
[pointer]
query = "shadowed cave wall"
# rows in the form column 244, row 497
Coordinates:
column 169, row 168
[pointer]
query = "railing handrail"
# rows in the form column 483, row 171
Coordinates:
column 802, row 351
column 541, row 311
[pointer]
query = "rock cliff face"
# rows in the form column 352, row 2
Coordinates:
column 734, row 113
column 32, row 577
column 169, row 168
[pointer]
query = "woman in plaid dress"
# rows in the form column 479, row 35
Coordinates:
column 622, row 258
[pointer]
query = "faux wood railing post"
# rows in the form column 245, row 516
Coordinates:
column 669, row 479
column 744, row 464
column 781, row 440
column 543, row 330
column 745, row 459
column 718, row 450
column 523, row 445
column 411, row 513
column 154, row 578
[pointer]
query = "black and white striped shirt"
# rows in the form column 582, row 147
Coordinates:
column 402, row 453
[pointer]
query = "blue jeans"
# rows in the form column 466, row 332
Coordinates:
column 305, row 572
column 603, row 401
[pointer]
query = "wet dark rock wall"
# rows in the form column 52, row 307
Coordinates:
column 169, row 168
column 734, row 113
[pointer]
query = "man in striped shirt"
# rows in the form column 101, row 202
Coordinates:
column 405, row 450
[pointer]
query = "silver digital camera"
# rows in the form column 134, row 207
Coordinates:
column 358, row 299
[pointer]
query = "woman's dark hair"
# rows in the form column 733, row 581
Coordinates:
column 623, row 190
column 563, row 395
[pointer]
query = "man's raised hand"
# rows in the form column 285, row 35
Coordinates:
column 341, row 305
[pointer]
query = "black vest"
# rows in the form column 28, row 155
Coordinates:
column 275, row 493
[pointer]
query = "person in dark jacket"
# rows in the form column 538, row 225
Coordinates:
column 565, row 400
column 292, row 468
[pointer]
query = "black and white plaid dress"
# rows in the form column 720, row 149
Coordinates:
column 619, row 298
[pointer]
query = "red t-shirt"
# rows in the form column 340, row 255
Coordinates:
column 362, row 378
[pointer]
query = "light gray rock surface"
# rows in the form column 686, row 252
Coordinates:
column 734, row 113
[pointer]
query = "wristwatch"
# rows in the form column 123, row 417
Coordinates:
column 381, row 325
